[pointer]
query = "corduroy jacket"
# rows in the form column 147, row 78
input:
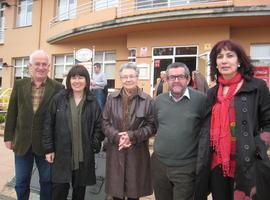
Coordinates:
column 23, row 126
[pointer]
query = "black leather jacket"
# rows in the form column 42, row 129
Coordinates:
column 57, row 138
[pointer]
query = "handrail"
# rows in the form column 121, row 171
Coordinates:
column 130, row 7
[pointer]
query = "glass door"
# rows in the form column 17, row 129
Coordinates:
column 159, row 65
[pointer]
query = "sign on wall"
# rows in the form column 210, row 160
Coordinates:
column 84, row 57
column 263, row 72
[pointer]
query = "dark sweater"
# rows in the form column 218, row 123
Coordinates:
column 178, row 127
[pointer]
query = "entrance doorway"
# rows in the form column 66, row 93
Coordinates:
column 163, row 56
column 189, row 61
column 160, row 65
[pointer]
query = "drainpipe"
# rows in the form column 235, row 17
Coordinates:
column 40, row 21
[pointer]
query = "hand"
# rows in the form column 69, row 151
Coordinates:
column 9, row 145
column 50, row 157
column 124, row 141
column 93, row 83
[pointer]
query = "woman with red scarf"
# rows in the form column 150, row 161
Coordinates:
column 234, row 148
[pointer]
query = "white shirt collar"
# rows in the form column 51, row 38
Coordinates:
column 186, row 94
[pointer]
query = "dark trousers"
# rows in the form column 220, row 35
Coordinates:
column 23, row 170
column 115, row 198
column 173, row 182
column 60, row 190
column 220, row 186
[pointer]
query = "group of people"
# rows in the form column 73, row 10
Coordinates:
column 217, row 143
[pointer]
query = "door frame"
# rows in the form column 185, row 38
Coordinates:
column 152, row 86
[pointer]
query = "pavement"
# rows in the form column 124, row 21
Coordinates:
column 7, row 172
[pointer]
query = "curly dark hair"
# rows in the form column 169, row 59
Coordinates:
column 245, row 69
column 81, row 71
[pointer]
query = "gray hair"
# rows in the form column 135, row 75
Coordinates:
column 130, row 66
column 179, row 65
column 38, row 52
column 163, row 72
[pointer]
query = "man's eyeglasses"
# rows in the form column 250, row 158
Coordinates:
column 178, row 77
column 39, row 64
column 128, row 77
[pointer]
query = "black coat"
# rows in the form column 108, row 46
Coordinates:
column 252, row 104
column 57, row 138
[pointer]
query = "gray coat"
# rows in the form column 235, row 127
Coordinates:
column 128, row 170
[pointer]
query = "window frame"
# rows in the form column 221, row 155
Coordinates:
column 2, row 19
column 65, row 64
column 68, row 13
column 260, row 58
column 104, row 62
column 130, row 57
column 24, row 66
column 24, row 13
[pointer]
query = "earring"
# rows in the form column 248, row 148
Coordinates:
column 238, row 65
column 217, row 67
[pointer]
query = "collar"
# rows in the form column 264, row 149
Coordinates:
column 119, row 93
column 186, row 94
column 89, row 96
column 42, row 84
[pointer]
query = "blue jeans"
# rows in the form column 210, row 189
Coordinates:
column 23, row 170
column 100, row 97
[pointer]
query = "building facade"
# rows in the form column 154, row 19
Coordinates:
column 152, row 33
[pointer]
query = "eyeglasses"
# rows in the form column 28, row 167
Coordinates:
column 128, row 77
column 178, row 77
column 39, row 64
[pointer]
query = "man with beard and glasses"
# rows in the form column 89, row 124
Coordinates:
column 178, row 114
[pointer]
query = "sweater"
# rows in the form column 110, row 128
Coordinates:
column 178, row 128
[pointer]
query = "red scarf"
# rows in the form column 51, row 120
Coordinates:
column 220, row 134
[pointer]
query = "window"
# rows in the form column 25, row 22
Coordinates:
column 103, row 4
column 62, row 65
column 260, row 57
column 132, row 55
column 24, row 13
column 2, row 22
column 163, row 51
column 21, row 68
column 107, row 61
column 148, row 4
column 66, row 9
column 1, row 67
column 260, row 54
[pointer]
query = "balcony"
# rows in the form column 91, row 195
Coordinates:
column 136, row 7
column 100, row 15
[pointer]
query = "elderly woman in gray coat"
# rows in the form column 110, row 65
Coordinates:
column 128, row 123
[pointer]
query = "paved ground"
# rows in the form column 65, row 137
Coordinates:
column 7, row 173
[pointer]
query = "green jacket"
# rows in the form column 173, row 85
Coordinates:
column 23, row 126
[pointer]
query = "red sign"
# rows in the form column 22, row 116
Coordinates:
column 263, row 72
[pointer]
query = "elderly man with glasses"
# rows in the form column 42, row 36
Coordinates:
column 29, row 101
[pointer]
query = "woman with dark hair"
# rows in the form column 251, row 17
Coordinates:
column 234, row 148
column 199, row 82
column 72, row 135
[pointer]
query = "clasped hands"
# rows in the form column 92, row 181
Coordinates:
column 124, row 141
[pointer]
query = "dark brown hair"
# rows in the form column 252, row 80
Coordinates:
column 81, row 71
column 245, row 69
